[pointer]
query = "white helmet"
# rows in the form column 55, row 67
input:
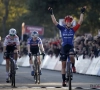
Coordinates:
column 12, row 31
column 34, row 34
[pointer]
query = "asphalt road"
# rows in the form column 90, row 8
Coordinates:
column 49, row 79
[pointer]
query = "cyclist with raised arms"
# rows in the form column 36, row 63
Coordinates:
column 11, row 44
column 67, row 33
column 34, row 43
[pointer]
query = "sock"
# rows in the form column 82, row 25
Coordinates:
column 7, row 73
column 72, row 64
column 31, row 65
column 14, row 61
column 63, row 77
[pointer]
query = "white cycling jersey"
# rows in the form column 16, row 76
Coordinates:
column 9, row 41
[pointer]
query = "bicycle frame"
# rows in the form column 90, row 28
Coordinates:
column 36, row 67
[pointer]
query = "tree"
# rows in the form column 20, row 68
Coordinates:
column 4, row 19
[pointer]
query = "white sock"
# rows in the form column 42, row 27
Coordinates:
column 7, row 73
column 14, row 61
column 31, row 65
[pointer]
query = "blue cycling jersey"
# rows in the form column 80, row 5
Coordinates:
column 67, row 35
column 34, row 43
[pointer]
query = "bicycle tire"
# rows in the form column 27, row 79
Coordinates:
column 69, row 76
column 35, row 70
column 34, row 74
column 38, row 72
column 12, row 74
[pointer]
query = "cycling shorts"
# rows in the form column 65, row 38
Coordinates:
column 34, row 50
column 10, row 49
column 64, row 50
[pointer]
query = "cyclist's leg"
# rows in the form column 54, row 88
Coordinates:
column 31, row 65
column 63, row 70
column 15, row 57
column 72, row 61
column 31, row 61
column 7, row 63
column 7, row 69
column 39, row 61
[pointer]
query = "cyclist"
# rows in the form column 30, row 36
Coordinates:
column 11, row 44
column 67, row 33
column 34, row 43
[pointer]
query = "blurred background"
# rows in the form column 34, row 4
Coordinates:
column 28, row 15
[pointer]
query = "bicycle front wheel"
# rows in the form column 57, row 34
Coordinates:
column 69, row 76
column 12, row 74
column 38, row 76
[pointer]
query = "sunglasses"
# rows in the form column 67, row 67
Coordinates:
column 12, row 35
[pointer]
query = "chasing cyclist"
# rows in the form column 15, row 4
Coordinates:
column 34, row 43
column 11, row 44
column 67, row 33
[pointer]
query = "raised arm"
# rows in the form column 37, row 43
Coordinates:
column 82, row 15
column 52, row 16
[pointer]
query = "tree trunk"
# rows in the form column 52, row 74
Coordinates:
column 6, row 4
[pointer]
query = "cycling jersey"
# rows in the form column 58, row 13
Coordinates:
column 34, row 48
column 68, row 34
column 33, row 43
column 11, row 42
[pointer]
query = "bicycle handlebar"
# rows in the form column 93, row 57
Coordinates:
column 37, row 54
column 9, row 53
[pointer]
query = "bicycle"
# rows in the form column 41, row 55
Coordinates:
column 36, row 67
column 69, row 69
column 12, row 69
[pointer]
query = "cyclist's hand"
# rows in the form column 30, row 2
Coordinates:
column 50, row 10
column 19, row 54
column 30, row 54
column 4, row 55
column 83, row 9
column 43, row 54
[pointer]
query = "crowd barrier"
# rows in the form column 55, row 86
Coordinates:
column 83, row 66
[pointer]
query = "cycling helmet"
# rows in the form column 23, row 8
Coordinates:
column 34, row 34
column 68, row 18
column 12, row 32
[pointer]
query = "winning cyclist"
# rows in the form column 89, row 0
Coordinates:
column 11, row 44
column 67, row 32
column 34, row 44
